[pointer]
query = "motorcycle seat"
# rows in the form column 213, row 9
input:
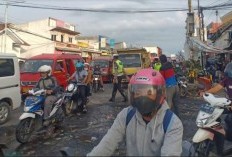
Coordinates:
column 216, row 101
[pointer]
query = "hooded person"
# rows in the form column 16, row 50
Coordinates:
column 144, row 122
column 172, row 89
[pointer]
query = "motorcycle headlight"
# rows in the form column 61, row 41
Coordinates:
column 70, row 87
column 95, row 78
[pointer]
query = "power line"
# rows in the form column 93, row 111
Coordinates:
column 98, row 10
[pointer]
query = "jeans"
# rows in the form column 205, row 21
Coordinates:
column 82, row 96
column 172, row 97
column 49, row 101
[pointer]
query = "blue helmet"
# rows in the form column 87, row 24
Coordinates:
column 228, row 70
column 79, row 65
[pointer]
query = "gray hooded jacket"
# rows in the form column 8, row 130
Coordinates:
column 143, row 139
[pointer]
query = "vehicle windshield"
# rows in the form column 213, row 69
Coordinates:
column 101, row 63
column 34, row 65
column 130, row 60
column 153, row 54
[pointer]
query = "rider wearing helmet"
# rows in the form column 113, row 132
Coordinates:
column 97, row 71
column 80, row 77
column 144, row 132
column 48, row 83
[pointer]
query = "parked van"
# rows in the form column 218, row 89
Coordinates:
column 105, row 63
column 10, row 97
column 63, row 66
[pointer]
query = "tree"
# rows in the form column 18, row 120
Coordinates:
column 180, row 56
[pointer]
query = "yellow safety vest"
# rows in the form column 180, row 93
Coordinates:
column 119, row 68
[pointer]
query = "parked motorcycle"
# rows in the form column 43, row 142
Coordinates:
column 208, row 124
column 32, row 118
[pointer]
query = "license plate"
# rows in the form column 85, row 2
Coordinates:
column 25, row 89
column 67, row 94
column 207, row 109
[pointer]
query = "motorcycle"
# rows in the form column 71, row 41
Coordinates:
column 208, row 123
column 31, row 121
column 183, row 85
column 71, row 91
column 96, row 86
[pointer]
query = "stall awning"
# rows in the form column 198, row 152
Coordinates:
column 196, row 44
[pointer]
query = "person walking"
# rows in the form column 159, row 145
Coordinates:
column 150, row 127
column 118, row 72
column 172, row 89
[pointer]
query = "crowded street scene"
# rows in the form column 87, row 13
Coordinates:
column 116, row 78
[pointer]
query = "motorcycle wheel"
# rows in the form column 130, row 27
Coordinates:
column 202, row 149
column 24, row 130
column 183, row 92
column 69, row 107
column 94, row 87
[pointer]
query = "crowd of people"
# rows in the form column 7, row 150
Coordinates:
column 151, row 123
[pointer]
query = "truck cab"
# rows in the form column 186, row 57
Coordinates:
column 133, row 60
column 105, row 63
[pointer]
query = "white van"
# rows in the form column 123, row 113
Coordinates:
column 10, row 97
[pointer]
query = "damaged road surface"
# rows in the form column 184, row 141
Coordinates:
column 82, row 132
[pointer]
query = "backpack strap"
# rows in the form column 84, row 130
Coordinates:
column 167, row 119
column 130, row 114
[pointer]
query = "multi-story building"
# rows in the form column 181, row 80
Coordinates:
column 43, row 36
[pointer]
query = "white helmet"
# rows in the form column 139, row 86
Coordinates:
column 45, row 68
column 115, row 55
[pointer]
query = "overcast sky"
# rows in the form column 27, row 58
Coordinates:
column 166, row 30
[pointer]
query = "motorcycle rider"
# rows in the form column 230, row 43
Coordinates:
column 89, row 78
column 49, row 83
column 225, row 83
column 144, row 132
column 97, row 71
column 81, row 76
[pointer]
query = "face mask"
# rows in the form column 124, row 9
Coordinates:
column 86, row 69
column 144, row 105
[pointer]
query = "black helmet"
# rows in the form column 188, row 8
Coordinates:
column 228, row 70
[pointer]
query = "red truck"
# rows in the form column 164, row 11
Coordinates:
column 105, row 63
column 63, row 66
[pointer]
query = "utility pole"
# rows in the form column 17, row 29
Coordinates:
column 190, row 5
column 199, row 18
column 203, row 25
column 5, row 26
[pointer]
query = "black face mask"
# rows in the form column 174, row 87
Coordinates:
column 145, row 105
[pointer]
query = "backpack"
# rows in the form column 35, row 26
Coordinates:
column 167, row 117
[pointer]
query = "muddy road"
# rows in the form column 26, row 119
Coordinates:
column 82, row 132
